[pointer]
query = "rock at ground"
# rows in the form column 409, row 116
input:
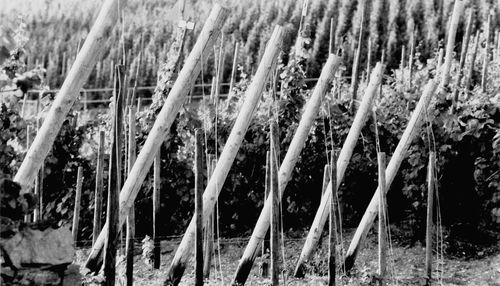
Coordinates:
column 39, row 247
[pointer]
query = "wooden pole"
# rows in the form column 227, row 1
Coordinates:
column 411, row 131
column 455, row 18
column 402, row 64
column 355, row 66
column 78, row 198
column 198, row 201
column 440, row 59
column 132, row 149
column 486, row 55
column 98, row 188
column 332, row 230
column 234, row 141
column 285, row 173
column 430, row 227
column 164, row 120
column 275, row 209
column 27, row 217
column 156, row 210
column 369, row 58
column 331, row 43
column 209, row 229
column 463, row 56
column 233, row 71
column 382, row 248
column 38, row 213
column 326, row 178
column 115, row 179
column 321, row 216
column 82, row 67
column 267, row 186
column 410, row 60
column 472, row 62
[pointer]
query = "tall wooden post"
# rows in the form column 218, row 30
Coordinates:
column 326, row 178
column 382, row 206
column 82, row 67
column 472, row 62
column 486, row 55
column 287, row 166
column 198, row 201
column 38, row 213
column 234, row 141
column 27, row 217
column 267, row 187
column 402, row 64
column 355, row 66
column 78, row 199
column 430, row 227
column 115, row 179
column 455, row 18
column 156, row 210
column 129, row 252
column 321, row 216
column 410, row 59
column 233, row 70
column 331, row 43
column 463, row 56
column 275, row 210
column 411, row 131
column 209, row 229
column 98, row 188
column 332, row 230
column 369, row 59
column 164, row 120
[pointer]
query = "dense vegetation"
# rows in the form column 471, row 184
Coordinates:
column 467, row 141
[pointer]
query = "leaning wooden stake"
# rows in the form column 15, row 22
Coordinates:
column 321, row 216
column 198, row 201
column 115, row 179
column 156, row 210
column 98, row 188
column 228, row 155
column 82, row 67
column 164, row 120
column 78, row 201
column 382, row 247
column 411, row 131
column 457, row 11
column 275, row 209
column 308, row 117
column 132, row 149
column 430, row 206
column 332, row 230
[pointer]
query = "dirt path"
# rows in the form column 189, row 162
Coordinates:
column 406, row 267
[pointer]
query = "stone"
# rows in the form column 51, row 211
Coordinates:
column 30, row 247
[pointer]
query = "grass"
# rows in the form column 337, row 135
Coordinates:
column 405, row 267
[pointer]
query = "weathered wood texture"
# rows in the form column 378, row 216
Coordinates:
column 321, row 216
column 234, row 141
column 285, row 173
column 80, row 70
column 164, row 120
